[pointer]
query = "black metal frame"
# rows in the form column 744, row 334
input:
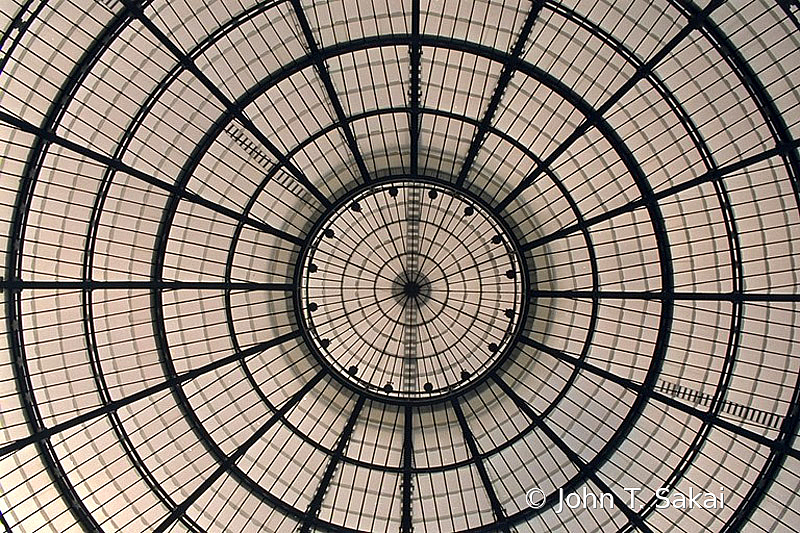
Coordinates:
column 502, row 84
column 698, row 21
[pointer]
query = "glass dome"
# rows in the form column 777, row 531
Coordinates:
column 383, row 266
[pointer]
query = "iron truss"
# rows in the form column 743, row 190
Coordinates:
column 381, row 266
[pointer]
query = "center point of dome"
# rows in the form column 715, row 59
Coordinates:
column 411, row 289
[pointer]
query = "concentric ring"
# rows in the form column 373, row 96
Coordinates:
column 412, row 290
column 251, row 278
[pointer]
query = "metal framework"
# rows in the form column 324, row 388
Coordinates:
column 387, row 266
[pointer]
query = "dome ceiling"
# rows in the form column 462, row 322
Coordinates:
column 427, row 266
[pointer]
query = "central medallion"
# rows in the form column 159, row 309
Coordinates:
column 410, row 290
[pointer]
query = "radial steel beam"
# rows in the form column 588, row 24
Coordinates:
column 190, row 65
column 415, row 52
column 469, row 439
column 156, row 285
column 641, row 389
column 707, row 177
column 115, row 405
column 593, row 118
column 333, row 96
column 676, row 296
column 507, row 71
column 242, row 449
column 408, row 469
column 118, row 165
column 584, row 469
column 327, row 476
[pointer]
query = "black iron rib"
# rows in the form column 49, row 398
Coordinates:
column 119, row 166
column 144, row 393
column 178, row 511
column 316, row 503
column 592, row 119
column 91, row 285
column 469, row 438
column 333, row 96
column 655, row 395
column 582, row 466
column 706, row 177
column 408, row 465
column 658, row 295
column 509, row 66
column 234, row 110
column 415, row 51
